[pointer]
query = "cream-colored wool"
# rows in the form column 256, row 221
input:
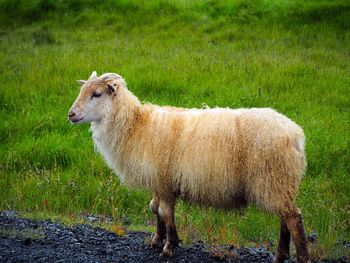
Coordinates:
column 219, row 157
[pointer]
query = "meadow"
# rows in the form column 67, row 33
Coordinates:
column 293, row 56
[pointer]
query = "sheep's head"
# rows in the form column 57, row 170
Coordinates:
column 95, row 98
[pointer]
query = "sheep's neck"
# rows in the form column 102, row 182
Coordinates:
column 111, row 132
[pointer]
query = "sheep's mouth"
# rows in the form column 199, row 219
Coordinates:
column 76, row 120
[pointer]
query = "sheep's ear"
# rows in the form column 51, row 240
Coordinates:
column 111, row 88
column 93, row 75
column 81, row 82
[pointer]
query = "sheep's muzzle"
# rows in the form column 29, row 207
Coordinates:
column 73, row 116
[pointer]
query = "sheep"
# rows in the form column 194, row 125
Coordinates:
column 220, row 157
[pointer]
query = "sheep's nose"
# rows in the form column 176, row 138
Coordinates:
column 74, row 115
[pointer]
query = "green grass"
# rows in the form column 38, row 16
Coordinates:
column 289, row 55
column 23, row 234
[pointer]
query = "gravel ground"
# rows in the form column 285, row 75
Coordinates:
column 25, row 240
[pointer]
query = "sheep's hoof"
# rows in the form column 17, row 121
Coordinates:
column 304, row 260
column 280, row 258
column 157, row 242
column 168, row 250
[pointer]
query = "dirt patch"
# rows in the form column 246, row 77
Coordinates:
column 25, row 240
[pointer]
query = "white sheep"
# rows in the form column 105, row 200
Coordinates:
column 219, row 157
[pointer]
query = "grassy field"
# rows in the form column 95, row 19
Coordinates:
column 293, row 56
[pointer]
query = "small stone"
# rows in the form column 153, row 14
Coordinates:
column 126, row 220
column 312, row 238
column 91, row 218
column 8, row 213
column 27, row 241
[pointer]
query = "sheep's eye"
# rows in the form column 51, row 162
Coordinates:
column 96, row 94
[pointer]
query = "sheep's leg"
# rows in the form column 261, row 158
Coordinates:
column 283, row 245
column 294, row 222
column 159, row 236
column 166, row 210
